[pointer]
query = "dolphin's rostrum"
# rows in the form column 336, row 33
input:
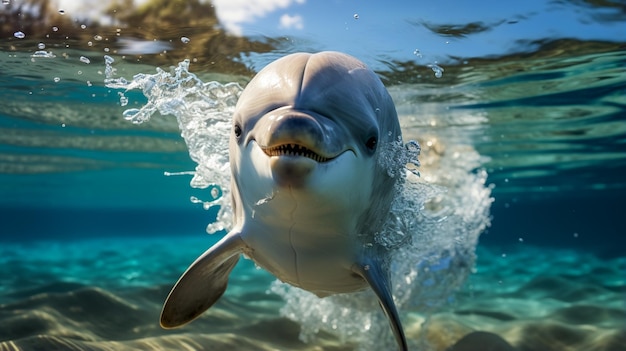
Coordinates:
column 308, row 190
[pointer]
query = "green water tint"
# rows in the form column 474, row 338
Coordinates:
column 432, row 229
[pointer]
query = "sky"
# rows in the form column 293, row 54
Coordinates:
column 399, row 29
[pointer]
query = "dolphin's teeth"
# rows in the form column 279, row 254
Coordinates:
column 294, row 150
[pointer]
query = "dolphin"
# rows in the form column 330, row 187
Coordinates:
column 309, row 189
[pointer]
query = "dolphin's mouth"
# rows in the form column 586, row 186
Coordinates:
column 295, row 150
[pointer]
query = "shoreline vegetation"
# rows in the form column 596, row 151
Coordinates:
column 153, row 28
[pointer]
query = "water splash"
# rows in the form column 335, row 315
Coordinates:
column 203, row 111
column 431, row 232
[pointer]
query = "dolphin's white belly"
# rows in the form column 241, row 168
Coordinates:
column 298, row 250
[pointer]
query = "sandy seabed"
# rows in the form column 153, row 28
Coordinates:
column 529, row 299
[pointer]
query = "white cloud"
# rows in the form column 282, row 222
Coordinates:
column 232, row 13
column 288, row 22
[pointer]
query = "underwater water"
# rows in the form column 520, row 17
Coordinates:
column 114, row 166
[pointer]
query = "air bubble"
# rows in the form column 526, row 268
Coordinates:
column 6, row 2
column 83, row 59
column 55, row 29
column 57, row 79
column 61, row 12
column 185, row 40
column 356, row 16
column 19, row 35
column 97, row 37
column 41, row 46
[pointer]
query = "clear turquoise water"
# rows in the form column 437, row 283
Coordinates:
column 93, row 229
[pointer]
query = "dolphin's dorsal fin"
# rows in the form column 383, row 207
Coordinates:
column 372, row 271
column 203, row 283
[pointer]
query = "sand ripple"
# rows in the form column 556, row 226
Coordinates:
column 507, row 306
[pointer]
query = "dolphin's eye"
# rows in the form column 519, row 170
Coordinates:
column 371, row 143
column 237, row 130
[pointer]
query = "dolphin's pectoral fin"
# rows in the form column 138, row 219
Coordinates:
column 202, row 284
column 379, row 281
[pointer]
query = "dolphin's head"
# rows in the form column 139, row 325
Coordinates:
column 313, row 125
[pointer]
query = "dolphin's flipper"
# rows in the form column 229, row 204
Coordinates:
column 202, row 284
column 379, row 281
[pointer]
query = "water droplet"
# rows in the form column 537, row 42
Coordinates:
column 41, row 46
column 437, row 69
column 185, row 40
column 84, row 60
column 42, row 54
column 19, row 35
column 130, row 113
column 123, row 100
column 356, row 16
